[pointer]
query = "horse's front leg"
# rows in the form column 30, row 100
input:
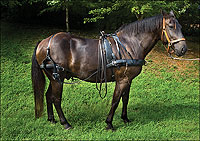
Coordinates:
column 125, row 98
column 120, row 88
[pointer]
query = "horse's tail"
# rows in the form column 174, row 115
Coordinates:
column 38, row 83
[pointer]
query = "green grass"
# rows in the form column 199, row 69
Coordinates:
column 163, row 105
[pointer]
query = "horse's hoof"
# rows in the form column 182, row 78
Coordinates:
column 110, row 127
column 52, row 121
column 126, row 121
column 67, row 126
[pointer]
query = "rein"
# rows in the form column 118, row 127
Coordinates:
column 183, row 59
column 171, row 42
column 101, row 69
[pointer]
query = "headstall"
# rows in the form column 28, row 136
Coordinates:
column 170, row 42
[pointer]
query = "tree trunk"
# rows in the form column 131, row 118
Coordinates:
column 139, row 16
column 67, row 18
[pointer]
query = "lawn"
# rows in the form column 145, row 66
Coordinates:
column 163, row 105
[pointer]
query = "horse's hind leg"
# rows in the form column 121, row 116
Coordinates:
column 49, row 100
column 57, row 89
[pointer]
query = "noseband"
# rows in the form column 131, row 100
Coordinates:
column 170, row 42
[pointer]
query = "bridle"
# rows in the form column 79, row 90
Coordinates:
column 170, row 42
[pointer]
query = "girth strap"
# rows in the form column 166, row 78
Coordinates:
column 125, row 62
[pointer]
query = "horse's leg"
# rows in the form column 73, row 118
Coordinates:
column 49, row 100
column 125, row 98
column 57, row 89
column 119, row 90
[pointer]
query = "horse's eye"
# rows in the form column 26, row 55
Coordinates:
column 171, row 26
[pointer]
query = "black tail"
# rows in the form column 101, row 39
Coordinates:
column 38, row 82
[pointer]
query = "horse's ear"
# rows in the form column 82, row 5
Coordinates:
column 171, row 13
column 164, row 13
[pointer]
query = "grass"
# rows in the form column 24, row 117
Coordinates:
column 163, row 105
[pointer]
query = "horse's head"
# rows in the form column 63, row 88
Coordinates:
column 172, row 34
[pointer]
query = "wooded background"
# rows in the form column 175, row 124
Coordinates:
column 164, row 98
column 97, row 14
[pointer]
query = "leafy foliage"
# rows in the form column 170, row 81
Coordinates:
column 139, row 8
column 99, row 14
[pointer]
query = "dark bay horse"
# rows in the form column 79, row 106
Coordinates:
column 78, row 56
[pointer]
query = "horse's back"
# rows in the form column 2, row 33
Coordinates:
column 59, row 43
column 84, row 56
column 76, row 54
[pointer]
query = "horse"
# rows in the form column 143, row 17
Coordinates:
column 77, row 57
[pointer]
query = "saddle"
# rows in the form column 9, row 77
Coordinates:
column 107, row 59
column 111, row 60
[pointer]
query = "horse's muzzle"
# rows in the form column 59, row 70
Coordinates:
column 181, row 51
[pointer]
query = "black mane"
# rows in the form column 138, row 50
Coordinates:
column 145, row 25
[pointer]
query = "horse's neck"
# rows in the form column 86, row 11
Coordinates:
column 148, row 41
column 141, row 44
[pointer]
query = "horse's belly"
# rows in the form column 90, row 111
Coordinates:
column 113, row 74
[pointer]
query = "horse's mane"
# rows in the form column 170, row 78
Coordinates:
column 145, row 25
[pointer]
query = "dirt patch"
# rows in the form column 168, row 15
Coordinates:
column 159, row 61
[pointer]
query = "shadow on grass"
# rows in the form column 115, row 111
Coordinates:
column 138, row 114
column 145, row 113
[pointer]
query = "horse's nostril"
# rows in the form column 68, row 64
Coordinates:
column 184, row 49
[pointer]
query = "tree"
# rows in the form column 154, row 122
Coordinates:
column 104, row 14
column 52, row 5
column 9, row 5
column 11, row 8
column 55, row 5
column 140, row 9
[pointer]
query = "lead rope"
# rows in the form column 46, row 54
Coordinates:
column 183, row 59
